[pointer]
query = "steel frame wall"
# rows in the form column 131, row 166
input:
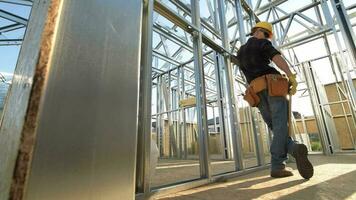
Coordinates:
column 211, row 77
column 214, row 37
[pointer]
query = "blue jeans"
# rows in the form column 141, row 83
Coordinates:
column 274, row 111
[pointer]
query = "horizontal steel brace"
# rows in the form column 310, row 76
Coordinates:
column 173, row 17
column 10, row 42
column 287, row 16
column 165, row 58
column 305, row 38
column 205, row 24
column 9, row 16
column 177, row 64
column 11, row 27
column 188, row 82
column 269, row 6
column 307, row 7
column 179, row 41
column 185, row 63
column 353, row 6
column 17, row 2
column 186, row 26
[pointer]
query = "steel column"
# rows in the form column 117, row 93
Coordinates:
column 345, row 27
column 258, row 145
column 258, row 138
column 349, row 38
column 185, row 145
column 317, row 108
column 330, row 21
column 144, row 122
column 234, row 122
column 240, row 22
column 333, row 67
column 200, row 93
column 220, row 101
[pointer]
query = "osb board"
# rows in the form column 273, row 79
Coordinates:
column 300, row 127
column 18, row 126
column 311, row 126
column 331, row 92
column 336, row 109
column 247, row 138
column 215, row 144
column 28, row 139
column 343, row 132
column 165, row 139
column 264, row 135
column 333, row 96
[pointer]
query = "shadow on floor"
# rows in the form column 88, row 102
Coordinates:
column 337, row 188
column 327, row 184
column 237, row 191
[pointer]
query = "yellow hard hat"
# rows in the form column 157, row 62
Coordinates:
column 265, row 25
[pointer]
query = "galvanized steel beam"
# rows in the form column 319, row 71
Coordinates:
column 144, row 123
column 234, row 122
column 12, row 17
column 186, row 26
column 18, row 2
column 205, row 168
column 10, row 42
column 11, row 27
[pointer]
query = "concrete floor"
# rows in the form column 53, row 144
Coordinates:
column 334, row 179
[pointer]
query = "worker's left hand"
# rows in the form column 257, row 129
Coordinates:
column 293, row 84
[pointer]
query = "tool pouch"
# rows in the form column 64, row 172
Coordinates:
column 277, row 85
column 251, row 97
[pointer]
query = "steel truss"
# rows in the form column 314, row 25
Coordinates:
column 221, row 34
column 11, row 22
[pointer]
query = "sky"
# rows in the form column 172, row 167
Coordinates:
column 9, row 54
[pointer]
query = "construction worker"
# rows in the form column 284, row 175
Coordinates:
column 268, row 90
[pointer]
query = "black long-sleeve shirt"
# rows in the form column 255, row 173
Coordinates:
column 254, row 58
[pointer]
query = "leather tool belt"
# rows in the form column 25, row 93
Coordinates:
column 276, row 84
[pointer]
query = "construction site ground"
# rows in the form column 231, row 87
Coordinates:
column 334, row 179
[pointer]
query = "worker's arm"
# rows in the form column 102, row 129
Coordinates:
column 272, row 53
column 235, row 60
column 282, row 64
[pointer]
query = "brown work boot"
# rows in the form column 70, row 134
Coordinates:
column 304, row 166
column 281, row 173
